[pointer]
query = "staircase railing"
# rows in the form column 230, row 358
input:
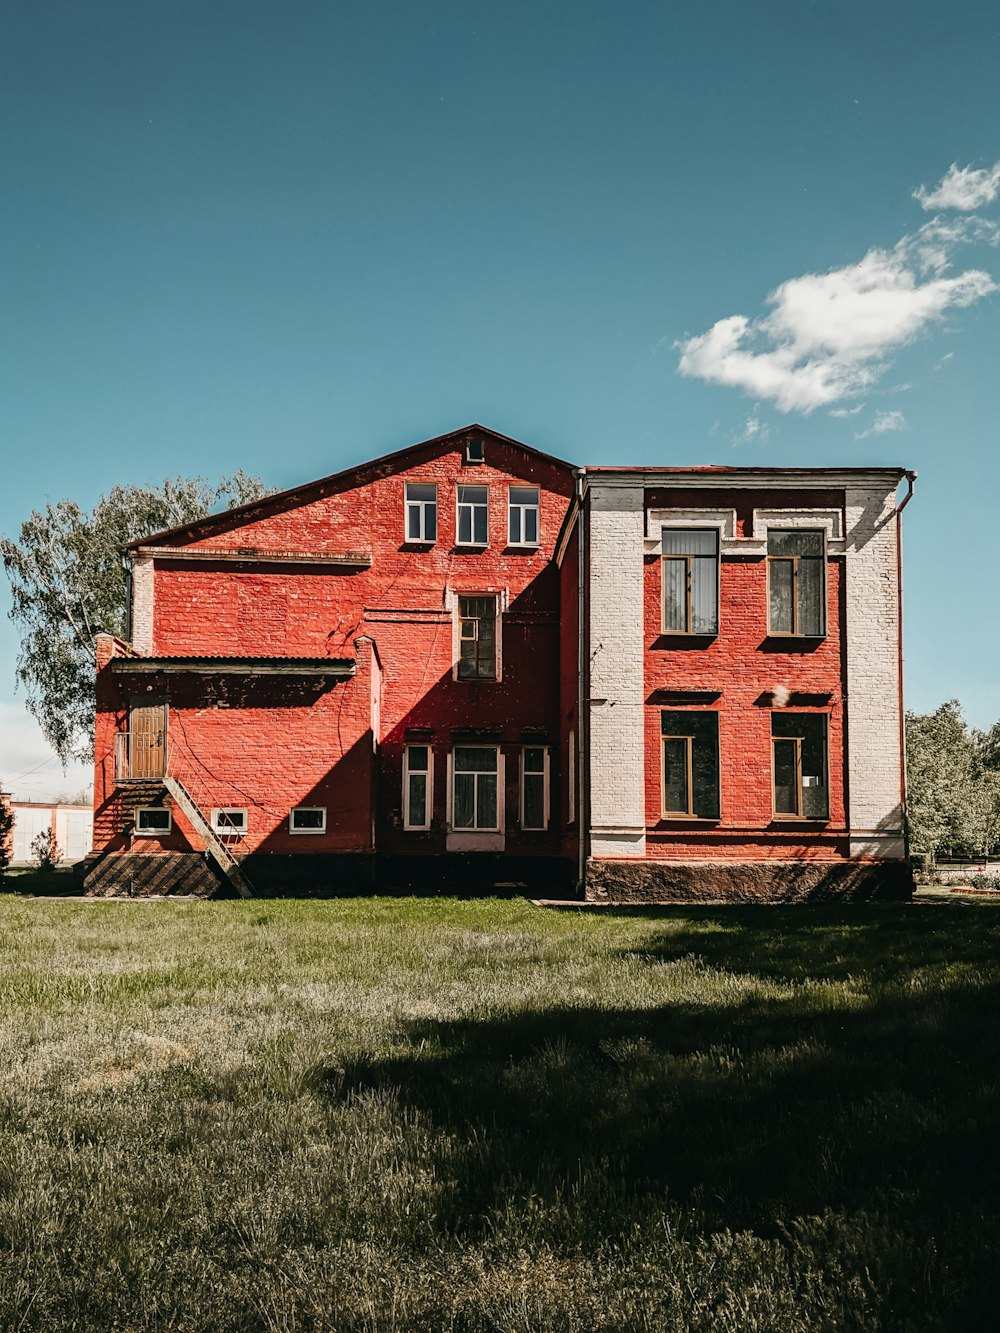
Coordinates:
column 195, row 800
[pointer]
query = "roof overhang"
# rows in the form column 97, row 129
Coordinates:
column 341, row 668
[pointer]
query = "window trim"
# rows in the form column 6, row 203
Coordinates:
column 801, row 818
column 544, row 774
column 571, row 777
column 537, row 507
column 664, row 557
column 476, row 830
column 794, row 632
column 306, row 832
column 428, row 774
column 230, row 810
column 153, row 832
column 690, row 816
column 471, row 545
column 420, row 507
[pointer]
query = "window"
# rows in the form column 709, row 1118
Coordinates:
column 690, row 765
column 474, row 450
column 534, row 787
column 475, row 794
column 796, row 582
column 477, row 638
column 421, row 512
column 473, row 515
column 571, row 774
column 798, row 744
column 522, row 516
column 418, row 786
column 307, row 819
column 152, row 820
column 229, row 819
column 690, row 580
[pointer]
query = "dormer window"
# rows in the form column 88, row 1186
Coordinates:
column 474, row 450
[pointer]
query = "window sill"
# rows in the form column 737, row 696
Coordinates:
column 471, row 546
column 688, row 819
column 307, row 832
column 800, row 819
column 783, row 634
column 523, row 546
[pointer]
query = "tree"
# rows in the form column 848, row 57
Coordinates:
column 953, row 790
column 6, row 830
column 68, row 584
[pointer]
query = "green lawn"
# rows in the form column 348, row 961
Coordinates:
column 420, row 1114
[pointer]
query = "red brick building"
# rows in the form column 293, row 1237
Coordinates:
column 467, row 665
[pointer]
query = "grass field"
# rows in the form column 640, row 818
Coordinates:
column 401, row 1114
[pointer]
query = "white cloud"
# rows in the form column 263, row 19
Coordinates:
column 29, row 770
column 961, row 188
column 753, row 429
column 828, row 336
column 884, row 421
column 847, row 411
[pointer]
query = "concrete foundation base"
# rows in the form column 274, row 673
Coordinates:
column 748, row 881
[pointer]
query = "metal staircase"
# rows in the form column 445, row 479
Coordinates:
column 217, row 844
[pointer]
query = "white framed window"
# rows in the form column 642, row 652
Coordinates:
column 421, row 511
column 418, row 786
column 229, row 819
column 522, row 516
column 571, row 779
column 477, row 638
column 472, row 524
column 475, row 451
column 307, row 819
column 475, row 789
column 153, row 821
column 534, row 787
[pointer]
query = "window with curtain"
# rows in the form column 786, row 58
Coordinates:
column 690, row 580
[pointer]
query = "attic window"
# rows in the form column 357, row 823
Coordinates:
column 475, row 450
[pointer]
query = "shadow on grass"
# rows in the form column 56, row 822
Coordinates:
column 754, row 1103
column 31, row 883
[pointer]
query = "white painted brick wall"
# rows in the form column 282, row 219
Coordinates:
column 617, row 752
column 873, row 704
column 142, row 604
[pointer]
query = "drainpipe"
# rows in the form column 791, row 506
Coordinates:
column 911, row 477
column 127, row 568
column 581, row 683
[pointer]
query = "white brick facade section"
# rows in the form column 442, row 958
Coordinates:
column 617, row 751
column 874, row 814
column 142, row 604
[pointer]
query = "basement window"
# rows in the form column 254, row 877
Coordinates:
column 690, row 765
column 472, row 519
column 522, row 516
column 421, row 512
column 153, row 821
column 307, row 819
column 229, row 819
column 796, row 582
column 690, row 580
column 418, row 786
column 799, row 750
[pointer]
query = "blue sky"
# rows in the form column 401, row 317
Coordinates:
column 289, row 237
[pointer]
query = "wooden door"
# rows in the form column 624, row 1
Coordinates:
column 147, row 751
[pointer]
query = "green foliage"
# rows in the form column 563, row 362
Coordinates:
column 6, row 832
column 45, row 851
column 953, row 783
column 68, row 584
column 486, row 1118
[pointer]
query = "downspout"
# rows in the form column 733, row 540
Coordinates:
column 127, row 567
column 911, row 477
column 581, row 684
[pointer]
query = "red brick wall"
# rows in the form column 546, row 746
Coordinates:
column 744, row 664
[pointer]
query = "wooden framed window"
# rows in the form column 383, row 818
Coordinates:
column 153, row 821
column 472, row 517
column 307, row 819
column 534, row 787
column 796, row 582
column 418, row 786
column 477, row 638
column 690, row 580
column 690, row 783
column 421, row 512
column 799, row 765
column 475, row 788
column 522, row 516
column 229, row 819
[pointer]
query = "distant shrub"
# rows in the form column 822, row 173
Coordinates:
column 6, row 826
column 45, row 851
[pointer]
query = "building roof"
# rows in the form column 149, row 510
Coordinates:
column 204, row 526
column 273, row 665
